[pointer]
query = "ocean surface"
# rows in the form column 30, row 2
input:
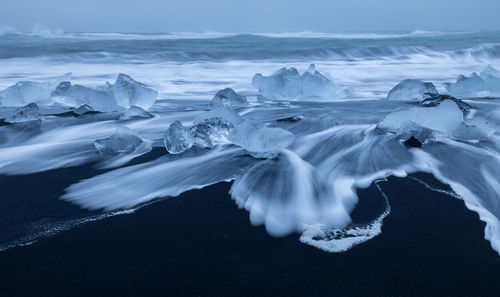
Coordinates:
column 335, row 147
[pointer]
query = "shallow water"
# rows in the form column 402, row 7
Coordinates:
column 311, row 186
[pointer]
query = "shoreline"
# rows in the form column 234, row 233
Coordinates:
column 201, row 244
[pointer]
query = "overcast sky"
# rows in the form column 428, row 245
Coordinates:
column 250, row 15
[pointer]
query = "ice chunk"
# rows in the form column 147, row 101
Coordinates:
column 288, row 84
column 484, row 85
column 178, row 138
column 220, row 112
column 211, row 132
column 260, row 141
column 123, row 141
column 27, row 113
column 129, row 92
column 446, row 117
column 411, row 89
column 25, row 92
column 135, row 112
column 228, row 97
column 432, row 100
column 316, row 86
column 77, row 95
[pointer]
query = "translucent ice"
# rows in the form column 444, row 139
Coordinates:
column 25, row 92
column 129, row 92
column 77, row 95
column 211, row 132
column 178, row 138
column 228, row 97
column 411, row 89
column 288, row 84
column 316, row 86
column 135, row 112
column 123, row 141
column 446, row 118
column 486, row 84
column 259, row 140
column 26, row 113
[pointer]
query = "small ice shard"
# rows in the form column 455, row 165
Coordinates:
column 228, row 97
column 25, row 92
column 129, row 92
column 260, row 141
column 77, row 95
column 446, row 118
column 288, row 84
column 486, row 84
column 413, row 142
column 433, row 100
column 135, row 112
column 220, row 112
column 27, row 113
column 211, row 132
column 411, row 89
column 123, row 141
column 178, row 138
column 84, row 109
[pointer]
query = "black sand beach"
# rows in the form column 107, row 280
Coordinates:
column 200, row 244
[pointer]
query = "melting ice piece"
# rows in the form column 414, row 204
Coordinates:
column 25, row 92
column 135, row 112
column 260, row 141
column 316, row 86
column 129, row 92
column 77, row 95
column 220, row 112
column 178, row 138
column 123, row 141
column 288, row 84
column 446, row 117
column 27, row 113
column 211, row 132
column 228, row 97
column 411, row 89
column 483, row 85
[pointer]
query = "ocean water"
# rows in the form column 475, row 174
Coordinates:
column 341, row 143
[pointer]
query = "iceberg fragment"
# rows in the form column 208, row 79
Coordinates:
column 446, row 118
column 24, row 92
column 261, row 141
column 178, row 138
column 77, row 95
column 123, row 141
column 135, row 112
column 288, row 84
column 411, row 89
column 211, row 132
column 486, row 84
column 27, row 113
column 228, row 97
column 129, row 92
